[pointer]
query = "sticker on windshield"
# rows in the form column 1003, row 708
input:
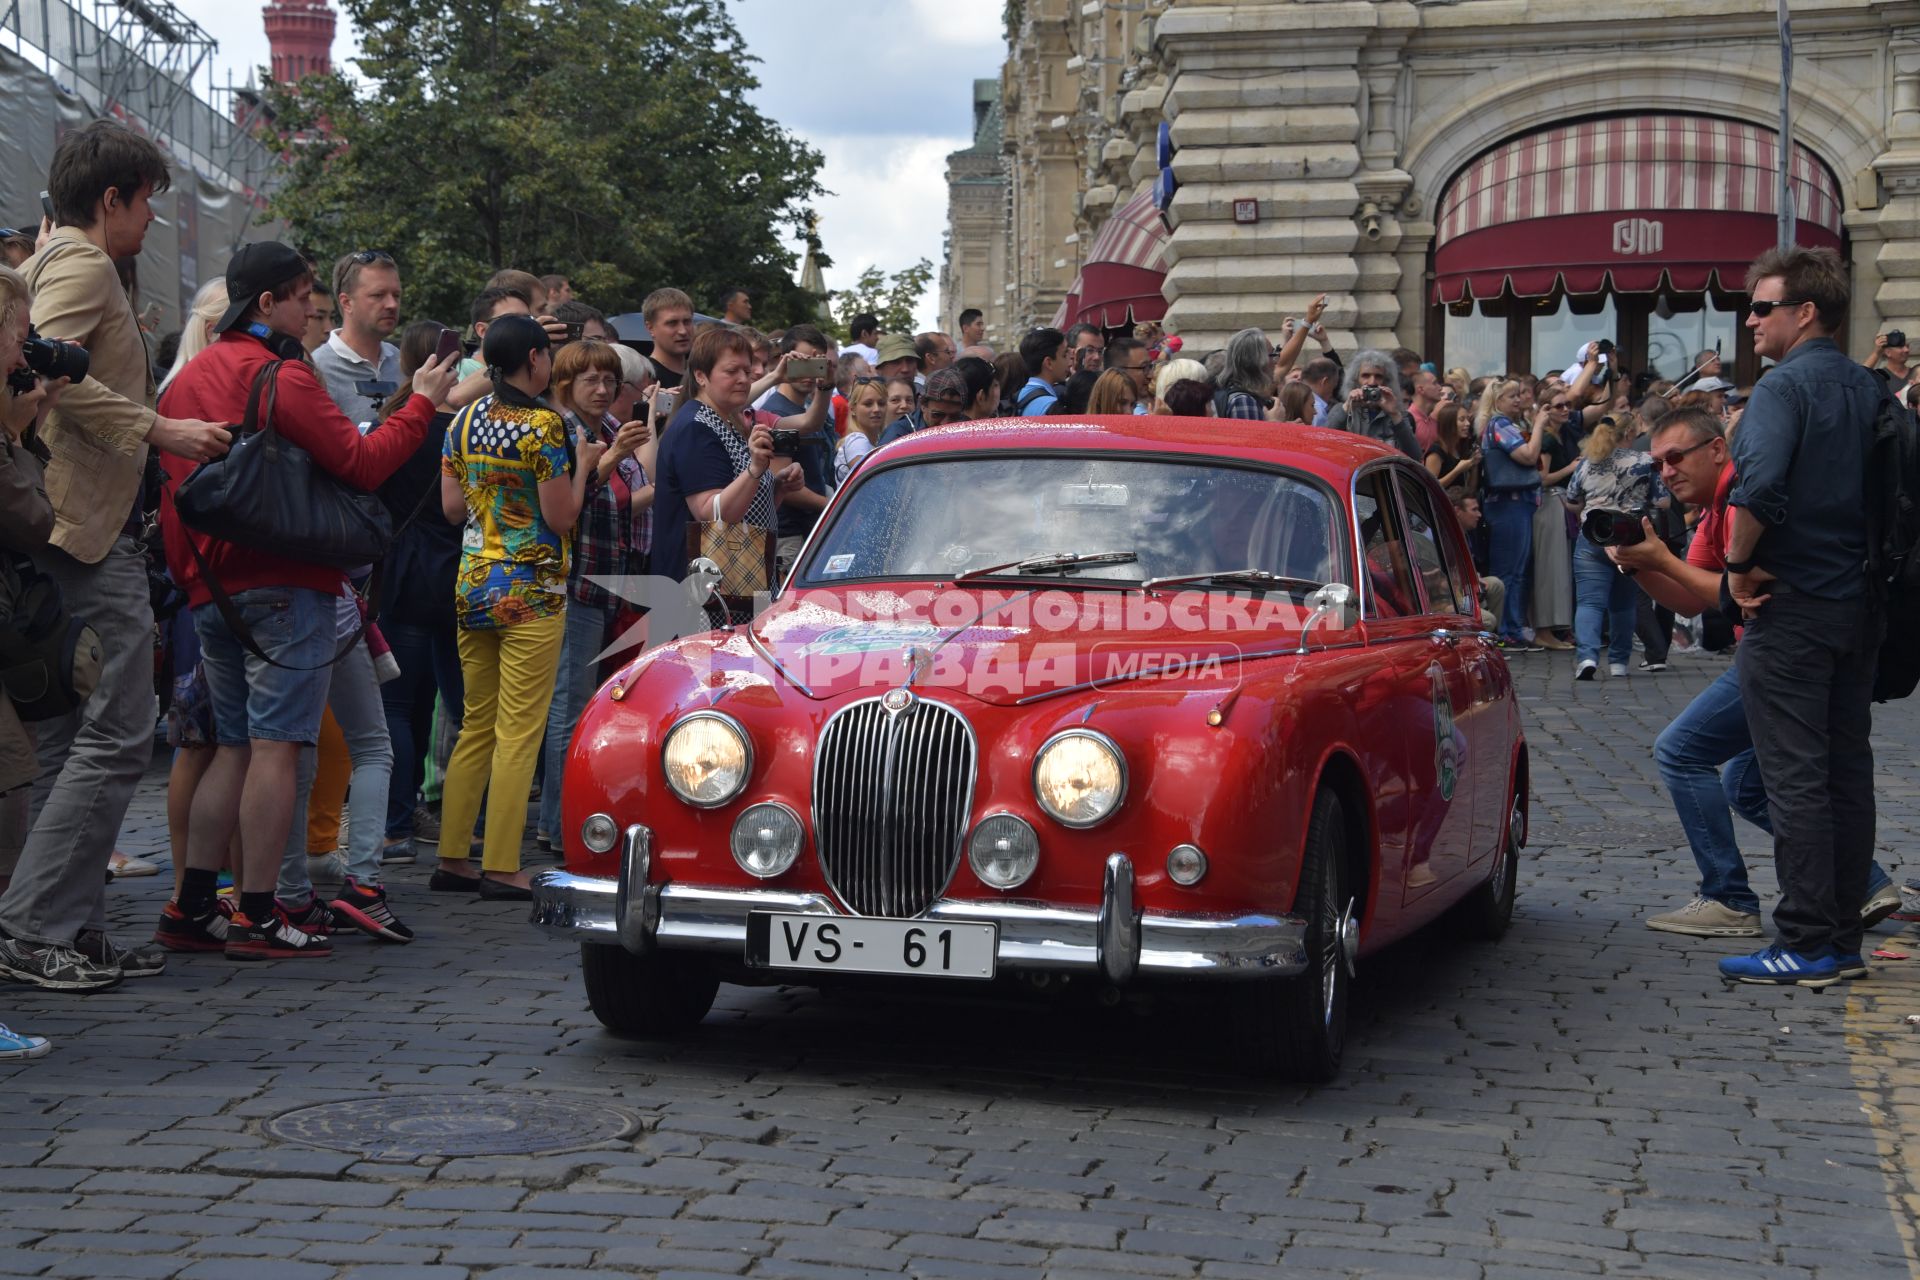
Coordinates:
column 839, row 564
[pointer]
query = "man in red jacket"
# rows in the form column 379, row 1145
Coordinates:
column 265, row 712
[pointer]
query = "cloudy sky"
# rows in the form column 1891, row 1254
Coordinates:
column 884, row 92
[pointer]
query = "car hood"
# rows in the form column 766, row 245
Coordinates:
column 1005, row 647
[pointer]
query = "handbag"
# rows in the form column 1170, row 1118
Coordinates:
column 50, row 661
column 743, row 553
column 267, row 493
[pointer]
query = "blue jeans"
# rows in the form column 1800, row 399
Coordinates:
column 1601, row 591
column 429, row 663
column 575, row 683
column 1510, row 547
column 1707, row 762
column 354, row 695
column 295, row 626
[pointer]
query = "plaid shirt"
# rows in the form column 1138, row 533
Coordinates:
column 608, row 541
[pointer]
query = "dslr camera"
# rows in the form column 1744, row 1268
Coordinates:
column 48, row 358
column 1896, row 338
column 1623, row 529
column 1371, row 397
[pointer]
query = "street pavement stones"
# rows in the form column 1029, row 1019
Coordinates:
column 1582, row 1098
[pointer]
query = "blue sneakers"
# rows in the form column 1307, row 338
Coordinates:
column 1853, row 966
column 1777, row 966
column 15, row 1045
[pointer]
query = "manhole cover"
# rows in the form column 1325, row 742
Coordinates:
column 458, row 1125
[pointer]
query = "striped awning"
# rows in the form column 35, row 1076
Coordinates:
column 1119, row 283
column 1627, row 200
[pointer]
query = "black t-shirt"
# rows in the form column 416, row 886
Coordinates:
column 668, row 378
column 815, row 457
column 1448, row 461
column 1560, row 450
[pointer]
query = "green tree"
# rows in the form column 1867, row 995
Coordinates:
column 894, row 300
column 609, row 140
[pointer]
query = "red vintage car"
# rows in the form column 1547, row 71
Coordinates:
column 1117, row 701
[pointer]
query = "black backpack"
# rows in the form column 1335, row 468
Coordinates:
column 1893, row 546
column 49, row 660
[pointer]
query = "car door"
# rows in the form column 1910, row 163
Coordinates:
column 1433, row 807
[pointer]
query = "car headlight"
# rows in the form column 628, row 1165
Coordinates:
column 600, row 833
column 707, row 758
column 1003, row 851
column 1079, row 777
column 766, row 839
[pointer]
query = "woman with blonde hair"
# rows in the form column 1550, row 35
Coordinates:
column 1613, row 477
column 1172, row 371
column 866, row 418
column 1511, row 457
column 196, row 335
column 1113, row 393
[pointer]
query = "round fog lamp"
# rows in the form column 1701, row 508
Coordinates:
column 1003, row 851
column 766, row 839
column 707, row 759
column 1186, row 864
column 1079, row 777
column 600, row 833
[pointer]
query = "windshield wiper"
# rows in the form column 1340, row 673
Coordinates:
column 1052, row 562
column 1239, row 577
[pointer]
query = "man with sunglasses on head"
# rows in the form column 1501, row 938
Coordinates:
column 357, row 365
column 1706, row 756
column 1797, row 568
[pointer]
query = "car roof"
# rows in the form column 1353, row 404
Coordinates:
column 1332, row 455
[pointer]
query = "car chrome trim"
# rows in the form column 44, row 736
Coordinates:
column 785, row 673
column 630, row 922
column 1034, row 936
column 1119, row 922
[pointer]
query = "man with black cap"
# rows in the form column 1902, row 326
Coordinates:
column 271, row 607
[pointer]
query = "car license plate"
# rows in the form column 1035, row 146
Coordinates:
column 862, row 944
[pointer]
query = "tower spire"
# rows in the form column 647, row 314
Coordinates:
column 300, row 33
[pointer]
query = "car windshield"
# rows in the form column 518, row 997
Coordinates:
column 943, row 517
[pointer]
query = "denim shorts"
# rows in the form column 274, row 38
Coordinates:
column 253, row 699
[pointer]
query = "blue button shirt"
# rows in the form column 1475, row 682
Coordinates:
column 1799, row 459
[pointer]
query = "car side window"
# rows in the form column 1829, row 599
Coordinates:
column 1429, row 555
column 1390, row 590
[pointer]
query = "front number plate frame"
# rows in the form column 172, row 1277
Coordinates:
column 872, row 944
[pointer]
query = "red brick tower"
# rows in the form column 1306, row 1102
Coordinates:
column 301, row 35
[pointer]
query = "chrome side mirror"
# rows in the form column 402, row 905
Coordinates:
column 1335, row 600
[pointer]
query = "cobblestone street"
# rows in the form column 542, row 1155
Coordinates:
column 1584, row 1098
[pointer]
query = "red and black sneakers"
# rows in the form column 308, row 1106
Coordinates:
column 275, row 938
column 179, row 931
column 364, row 906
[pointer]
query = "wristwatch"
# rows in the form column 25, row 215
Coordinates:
column 1740, row 566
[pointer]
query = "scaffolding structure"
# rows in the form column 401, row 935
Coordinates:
column 147, row 64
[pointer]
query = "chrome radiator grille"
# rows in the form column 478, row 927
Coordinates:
column 891, row 794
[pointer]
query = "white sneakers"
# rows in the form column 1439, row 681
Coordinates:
column 1618, row 670
column 1585, row 668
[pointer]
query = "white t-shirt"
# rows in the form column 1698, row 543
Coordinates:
column 853, row 447
column 870, row 354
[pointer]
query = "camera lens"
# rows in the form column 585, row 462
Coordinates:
column 53, row 359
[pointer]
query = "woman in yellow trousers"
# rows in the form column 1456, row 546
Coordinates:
column 508, row 474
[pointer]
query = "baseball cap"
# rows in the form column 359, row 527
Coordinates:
column 254, row 270
column 1712, row 384
column 898, row 346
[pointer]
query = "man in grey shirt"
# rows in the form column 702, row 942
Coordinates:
column 357, row 365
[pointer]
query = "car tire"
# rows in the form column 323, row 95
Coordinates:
column 1487, row 912
column 1298, row 1026
column 652, row 995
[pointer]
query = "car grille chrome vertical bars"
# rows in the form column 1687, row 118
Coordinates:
column 892, row 792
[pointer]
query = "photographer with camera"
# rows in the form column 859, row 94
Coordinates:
column 1891, row 347
column 54, row 914
column 1370, row 403
column 356, row 364
column 1706, row 757
column 1613, row 487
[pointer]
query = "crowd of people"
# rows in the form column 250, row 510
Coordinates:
column 522, row 455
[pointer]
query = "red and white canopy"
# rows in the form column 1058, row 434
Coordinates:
column 1119, row 283
column 1628, row 200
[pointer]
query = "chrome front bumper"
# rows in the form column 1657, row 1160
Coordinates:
column 1116, row 942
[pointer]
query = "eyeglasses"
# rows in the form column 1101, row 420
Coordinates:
column 870, row 380
column 367, row 257
column 1763, row 307
column 1672, row 459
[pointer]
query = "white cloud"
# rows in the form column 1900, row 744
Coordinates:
column 888, row 208
column 956, row 22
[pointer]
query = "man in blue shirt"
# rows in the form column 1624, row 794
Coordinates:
column 1795, row 561
column 1044, row 353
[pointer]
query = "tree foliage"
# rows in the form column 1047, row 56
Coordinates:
column 608, row 140
column 895, row 301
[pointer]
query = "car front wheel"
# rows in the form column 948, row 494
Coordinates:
column 1298, row 1026
column 656, row 994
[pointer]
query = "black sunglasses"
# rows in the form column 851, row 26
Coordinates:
column 367, row 257
column 1672, row 457
column 1764, row 307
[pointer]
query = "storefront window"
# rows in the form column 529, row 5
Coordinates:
column 1682, row 327
column 1475, row 341
column 1559, row 334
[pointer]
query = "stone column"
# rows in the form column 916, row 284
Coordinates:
column 1265, row 103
